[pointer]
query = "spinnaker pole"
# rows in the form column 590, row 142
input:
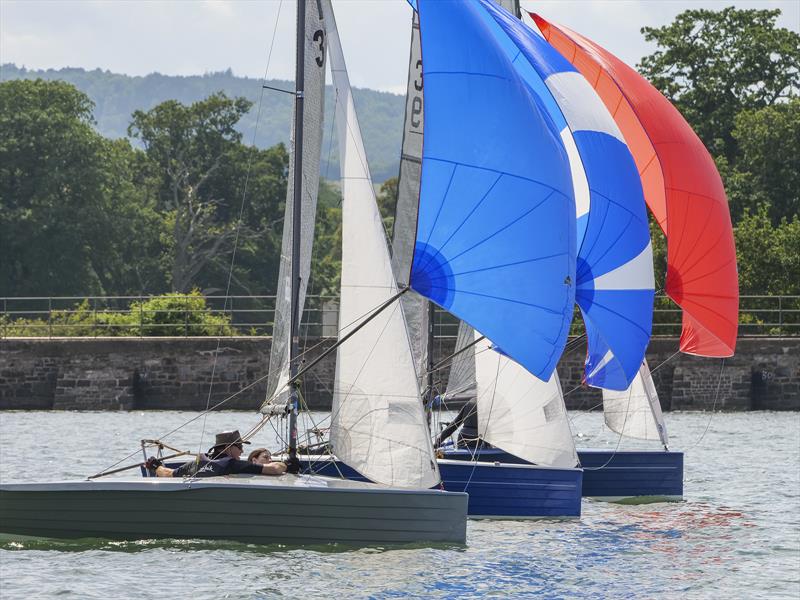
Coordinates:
column 297, row 200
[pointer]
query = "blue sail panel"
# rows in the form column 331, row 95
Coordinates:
column 614, row 254
column 496, row 225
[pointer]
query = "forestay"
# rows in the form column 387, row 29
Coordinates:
column 314, row 82
column 405, row 220
column 495, row 240
column 378, row 426
column 682, row 188
column 614, row 265
column 521, row 414
column 636, row 412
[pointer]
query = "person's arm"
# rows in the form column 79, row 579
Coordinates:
column 273, row 468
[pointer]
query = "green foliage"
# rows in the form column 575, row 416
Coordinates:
column 387, row 203
column 67, row 203
column 167, row 315
column 187, row 146
column 327, row 255
column 767, row 172
column 714, row 64
column 768, row 257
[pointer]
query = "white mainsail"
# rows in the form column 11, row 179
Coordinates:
column 520, row 413
column 636, row 412
column 314, row 82
column 378, row 426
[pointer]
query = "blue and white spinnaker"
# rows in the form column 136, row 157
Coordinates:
column 496, row 227
column 614, row 270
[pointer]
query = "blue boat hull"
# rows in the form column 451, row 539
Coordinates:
column 631, row 476
column 498, row 490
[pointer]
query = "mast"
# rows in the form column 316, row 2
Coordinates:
column 296, row 220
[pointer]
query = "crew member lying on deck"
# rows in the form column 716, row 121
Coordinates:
column 223, row 459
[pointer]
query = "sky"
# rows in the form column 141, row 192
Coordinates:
column 192, row 37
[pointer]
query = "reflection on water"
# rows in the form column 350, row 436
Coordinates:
column 736, row 535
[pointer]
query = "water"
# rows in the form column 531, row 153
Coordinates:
column 736, row 535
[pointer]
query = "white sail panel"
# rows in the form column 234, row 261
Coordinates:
column 378, row 426
column 314, row 83
column 405, row 220
column 461, row 381
column 636, row 412
column 520, row 413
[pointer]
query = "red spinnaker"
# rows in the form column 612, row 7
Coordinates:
column 682, row 188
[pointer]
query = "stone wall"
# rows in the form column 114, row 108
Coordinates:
column 177, row 374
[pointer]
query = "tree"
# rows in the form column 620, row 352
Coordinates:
column 768, row 140
column 714, row 64
column 768, row 257
column 65, row 196
column 188, row 146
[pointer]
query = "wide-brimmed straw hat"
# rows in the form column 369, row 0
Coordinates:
column 228, row 438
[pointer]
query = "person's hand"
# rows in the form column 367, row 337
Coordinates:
column 153, row 463
column 292, row 465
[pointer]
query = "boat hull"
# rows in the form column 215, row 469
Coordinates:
column 290, row 510
column 499, row 490
column 632, row 476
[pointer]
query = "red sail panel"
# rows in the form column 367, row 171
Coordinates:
column 682, row 188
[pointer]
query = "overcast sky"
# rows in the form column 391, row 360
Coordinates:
column 190, row 37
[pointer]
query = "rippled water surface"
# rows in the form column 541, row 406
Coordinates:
column 737, row 535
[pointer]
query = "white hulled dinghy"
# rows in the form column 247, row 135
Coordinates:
column 289, row 509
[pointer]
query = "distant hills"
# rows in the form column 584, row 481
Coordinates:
column 117, row 96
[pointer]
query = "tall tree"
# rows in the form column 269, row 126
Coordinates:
column 188, row 146
column 713, row 64
column 63, row 195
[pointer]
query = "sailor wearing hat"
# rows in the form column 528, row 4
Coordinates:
column 224, row 458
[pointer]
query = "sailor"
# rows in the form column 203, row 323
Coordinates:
column 223, row 459
column 468, row 417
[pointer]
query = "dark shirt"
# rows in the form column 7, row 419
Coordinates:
column 224, row 465
column 468, row 417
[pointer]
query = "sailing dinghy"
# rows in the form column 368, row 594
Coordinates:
column 614, row 278
column 475, row 194
column 385, row 436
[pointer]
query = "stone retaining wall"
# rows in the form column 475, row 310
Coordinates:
column 177, row 374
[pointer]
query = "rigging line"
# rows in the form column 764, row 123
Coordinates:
column 486, row 429
column 456, row 353
column 371, row 314
column 195, row 418
column 350, row 334
column 239, row 222
column 713, row 408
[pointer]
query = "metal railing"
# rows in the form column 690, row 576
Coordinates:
column 190, row 315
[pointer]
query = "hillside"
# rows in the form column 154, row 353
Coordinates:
column 117, row 96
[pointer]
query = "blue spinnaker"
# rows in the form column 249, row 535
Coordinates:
column 496, row 227
column 614, row 266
